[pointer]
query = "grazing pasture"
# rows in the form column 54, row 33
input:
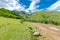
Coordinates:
column 13, row 29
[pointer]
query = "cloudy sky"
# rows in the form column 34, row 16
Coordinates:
column 30, row 5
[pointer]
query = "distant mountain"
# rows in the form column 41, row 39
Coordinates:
column 26, row 14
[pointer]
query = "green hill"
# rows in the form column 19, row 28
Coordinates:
column 50, row 17
column 12, row 28
column 10, row 14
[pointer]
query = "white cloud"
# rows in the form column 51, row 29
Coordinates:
column 11, row 4
column 14, row 4
column 33, row 6
column 55, row 6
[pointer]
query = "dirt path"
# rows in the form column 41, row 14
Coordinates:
column 50, row 30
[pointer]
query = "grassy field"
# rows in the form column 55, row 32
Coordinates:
column 50, row 17
column 18, row 29
column 12, row 29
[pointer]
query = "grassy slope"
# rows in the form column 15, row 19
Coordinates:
column 12, row 29
column 46, row 17
column 10, row 14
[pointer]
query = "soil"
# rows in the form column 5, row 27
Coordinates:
column 51, row 31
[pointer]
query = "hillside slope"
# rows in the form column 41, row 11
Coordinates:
column 50, row 17
column 12, row 29
column 10, row 14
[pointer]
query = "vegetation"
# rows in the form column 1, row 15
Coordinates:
column 12, row 29
column 10, row 14
column 50, row 17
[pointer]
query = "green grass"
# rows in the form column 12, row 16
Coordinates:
column 11, row 14
column 46, row 17
column 12, row 29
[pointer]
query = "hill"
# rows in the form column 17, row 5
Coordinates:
column 48, row 17
column 10, row 14
column 12, row 27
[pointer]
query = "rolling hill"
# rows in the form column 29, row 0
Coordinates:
column 48, row 17
column 11, row 27
column 11, row 14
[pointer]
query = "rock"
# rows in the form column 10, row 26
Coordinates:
column 36, row 33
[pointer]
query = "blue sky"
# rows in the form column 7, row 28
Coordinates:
column 30, row 5
column 42, row 4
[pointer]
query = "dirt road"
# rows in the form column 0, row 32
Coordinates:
column 50, row 30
